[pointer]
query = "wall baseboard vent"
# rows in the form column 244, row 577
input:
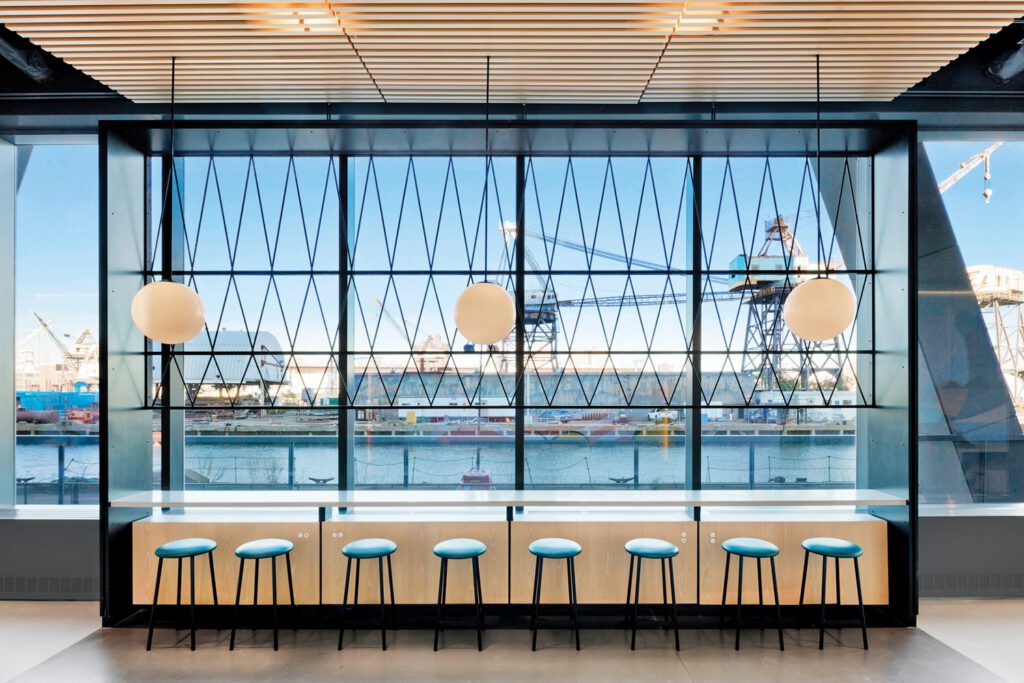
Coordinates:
column 49, row 588
column 972, row 585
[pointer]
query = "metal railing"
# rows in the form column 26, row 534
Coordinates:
column 289, row 462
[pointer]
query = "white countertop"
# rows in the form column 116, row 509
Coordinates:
column 505, row 498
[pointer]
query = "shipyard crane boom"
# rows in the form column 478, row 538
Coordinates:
column 55, row 338
column 73, row 359
column 646, row 299
column 971, row 164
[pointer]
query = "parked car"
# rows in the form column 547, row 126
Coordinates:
column 663, row 415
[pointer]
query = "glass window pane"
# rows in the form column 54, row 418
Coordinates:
column 56, row 324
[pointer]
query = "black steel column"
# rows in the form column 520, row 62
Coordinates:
column 520, row 438
column 172, row 258
column 694, row 258
column 346, row 420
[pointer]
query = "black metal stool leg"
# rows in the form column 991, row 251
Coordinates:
column 273, row 579
column 675, row 614
column 629, row 587
column 179, row 582
column 636, row 604
column 213, row 579
column 344, row 603
column 192, row 602
column 536, row 604
column 477, row 600
column 152, row 611
column 725, row 590
column 664, row 589
column 355, row 600
column 256, row 583
column 739, row 599
column 803, row 579
column 760, row 590
column 478, row 587
column 575, row 601
column 534, row 599
column 288, row 565
column 440, row 597
column 391, row 589
column 824, row 583
column 778, row 609
column 238, row 598
column 839, row 600
column 860, row 601
column 383, row 623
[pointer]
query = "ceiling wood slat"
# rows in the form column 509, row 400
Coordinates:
column 541, row 51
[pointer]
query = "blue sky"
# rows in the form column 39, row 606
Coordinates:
column 57, row 256
column 57, row 219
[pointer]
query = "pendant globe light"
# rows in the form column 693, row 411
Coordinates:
column 821, row 308
column 168, row 312
column 484, row 311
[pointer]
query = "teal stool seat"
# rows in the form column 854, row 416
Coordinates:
column 185, row 547
column 555, row 548
column 459, row 549
column 750, row 547
column 369, row 548
column 832, row 547
column 651, row 548
column 264, row 548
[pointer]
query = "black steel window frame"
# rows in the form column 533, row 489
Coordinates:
column 696, row 274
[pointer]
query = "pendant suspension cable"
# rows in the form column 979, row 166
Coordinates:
column 817, row 153
column 172, row 177
column 173, row 76
column 487, row 162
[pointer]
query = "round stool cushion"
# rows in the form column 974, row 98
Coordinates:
column 652, row 548
column 555, row 548
column 832, row 547
column 750, row 547
column 265, row 547
column 369, row 548
column 186, row 547
column 459, row 548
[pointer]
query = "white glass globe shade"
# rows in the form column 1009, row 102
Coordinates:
column 820, row 309
column 168, row 312
column 485, row 313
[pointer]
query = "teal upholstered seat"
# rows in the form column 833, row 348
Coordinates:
column 651, row 548
column 366, row 548
column 263, row 548
column 459, row 549
column 750, row 547
column 186, row 547
column 832, row 547
column 556, row 548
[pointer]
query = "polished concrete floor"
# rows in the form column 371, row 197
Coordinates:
column 959, row 641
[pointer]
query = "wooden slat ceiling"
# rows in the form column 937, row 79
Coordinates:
column 569, row 51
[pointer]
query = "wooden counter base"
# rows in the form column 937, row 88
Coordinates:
column 601, row 569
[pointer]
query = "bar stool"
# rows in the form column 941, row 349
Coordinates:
column 460, row 549
column 369, row 549
column 839, row 549
column 263, row 549
column 651, row 549
column 179, row 550
column 757, row 549
column 555, row 549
